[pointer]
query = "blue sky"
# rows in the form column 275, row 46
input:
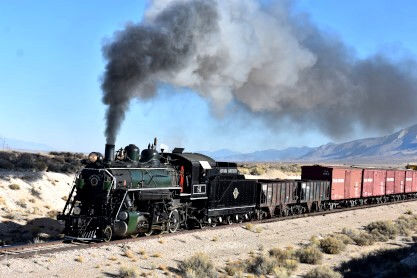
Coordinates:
column 51, row 63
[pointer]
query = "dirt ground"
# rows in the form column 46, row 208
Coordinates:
column 222, row 245
column 29, row 202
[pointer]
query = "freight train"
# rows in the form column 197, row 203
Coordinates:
column 131, row 193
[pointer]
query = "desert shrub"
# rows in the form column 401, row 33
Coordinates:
column 322, row 272
column 14, row 186
column 281, row 272
column 382, row 230
column 128, row 272
column 5, row 164
column 261, row 265
column 257, row 171
column 359, row 238
column 406, row 225
column 22, row 203
column 332, row 245
column 315, row 240
column 309, row 255
column 35, row 192
column 197, row 266
column 409, row 212
column 235, row 268
column 344, row 238
column 282, row 254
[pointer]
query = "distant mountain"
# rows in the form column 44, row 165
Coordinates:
column 14, row 144
column 265, row 155
column 400, row 146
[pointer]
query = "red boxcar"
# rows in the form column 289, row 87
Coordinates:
column 409, row 180
column 414, row 187
column 399, row 181
column 389, row 185
column 373, row 182
column 345, row 181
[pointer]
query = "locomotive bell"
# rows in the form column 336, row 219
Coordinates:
column 132, row 152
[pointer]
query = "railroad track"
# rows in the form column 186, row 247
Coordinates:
column 27, row 251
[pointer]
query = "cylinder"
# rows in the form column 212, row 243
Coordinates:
column 109, row 153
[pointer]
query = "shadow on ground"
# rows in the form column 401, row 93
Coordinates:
column 401, row 262
column 35, row 230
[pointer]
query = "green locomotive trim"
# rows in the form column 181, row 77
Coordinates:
column 133, row 222
column 80, row 183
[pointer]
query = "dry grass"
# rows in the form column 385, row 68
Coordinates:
column 261, row 265
column 161, row 240
column 2, row 201
column 79, row 259
column 65, row 198
column 215, row 238
column 382, row 230
column 322, row 272
column 282, row 254
column 14, row 186
column 112, row 258
column 22, row 203
column 309, row 255
column 359, row 238
column 332, row 245
column 129, row 254
column 128, row 272
column 235, row 268
column 198, row 266
column 142, row 252
column 408, row 212
column 156, row 255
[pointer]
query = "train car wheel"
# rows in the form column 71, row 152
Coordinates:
column 174, row 221
column 229, row 220
column 107, row 233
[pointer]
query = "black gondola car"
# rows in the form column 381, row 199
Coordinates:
column 231, row 195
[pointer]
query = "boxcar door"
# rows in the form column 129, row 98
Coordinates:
column 348, row 176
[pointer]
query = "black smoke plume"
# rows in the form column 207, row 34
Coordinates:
column 274, row 62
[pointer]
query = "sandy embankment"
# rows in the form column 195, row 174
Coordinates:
column 231, row 244
column 29, row 201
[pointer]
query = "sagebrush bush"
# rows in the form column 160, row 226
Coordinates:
column 235, row 268
column 382, row 230
column 261, row 265
column 128, row 272
column 359, row 238
column 198, row 266
column 309, row 255
column 282, row 254
column 322, row 272
column 14, row 186
column 332, row 245
column 406, row 225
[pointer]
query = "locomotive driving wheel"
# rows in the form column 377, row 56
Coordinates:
column 173, row 221
column 107, row 233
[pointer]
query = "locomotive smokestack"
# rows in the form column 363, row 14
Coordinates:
column 109, row 153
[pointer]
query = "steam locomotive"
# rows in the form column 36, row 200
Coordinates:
column 131, row 193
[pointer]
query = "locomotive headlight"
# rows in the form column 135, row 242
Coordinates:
column 92, row 157
column 77, row 210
